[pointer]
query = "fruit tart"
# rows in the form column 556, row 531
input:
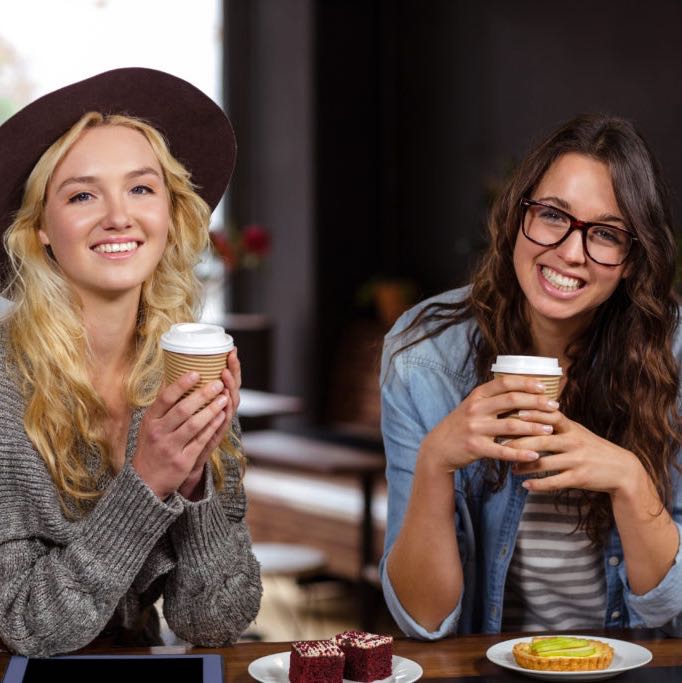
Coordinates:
column 563, row 653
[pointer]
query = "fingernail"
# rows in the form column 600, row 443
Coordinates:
column 547, row 428
column 193, row 376
column 532, row 455
column 540, row 386
column 525, row 484
column 221, row 400
column 523, row 413
column 552, row 404
column 217, row 386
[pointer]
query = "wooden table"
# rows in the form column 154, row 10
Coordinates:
column 264, row 404
column 452, row 659
column 295, row 454
column 257, row 409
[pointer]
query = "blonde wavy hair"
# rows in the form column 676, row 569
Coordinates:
column 47, row 341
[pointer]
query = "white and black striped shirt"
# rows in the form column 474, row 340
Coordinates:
column 556, row 578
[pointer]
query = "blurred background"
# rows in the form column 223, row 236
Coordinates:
column 373, row 136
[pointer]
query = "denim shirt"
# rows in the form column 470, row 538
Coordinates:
column 420, row 386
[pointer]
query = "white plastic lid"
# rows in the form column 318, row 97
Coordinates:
column 197, row 339
column 527, row 365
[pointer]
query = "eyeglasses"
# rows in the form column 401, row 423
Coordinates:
column 548, row 226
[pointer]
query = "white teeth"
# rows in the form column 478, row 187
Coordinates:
column 562, row 282
column 114, row 247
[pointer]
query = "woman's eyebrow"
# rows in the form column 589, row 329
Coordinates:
column 145, row 170
column 558, row 201
column 91, row 179
column 563, row 204
column 76, row 180
column 608, row 218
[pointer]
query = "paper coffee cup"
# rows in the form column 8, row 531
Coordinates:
column 195, row 346
column 539, row 368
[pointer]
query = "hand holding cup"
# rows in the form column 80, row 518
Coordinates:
column 179, row 427
column 474, row 430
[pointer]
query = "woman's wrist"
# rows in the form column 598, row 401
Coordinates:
column 194, row 487
column 431, row 463
column 634, row 483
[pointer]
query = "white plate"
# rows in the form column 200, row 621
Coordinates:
column 626, row 656
column 275, row 669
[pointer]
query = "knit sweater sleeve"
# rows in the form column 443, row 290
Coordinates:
column 214, row 591
column 61, row 580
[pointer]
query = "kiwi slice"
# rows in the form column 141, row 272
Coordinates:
column 562, row 646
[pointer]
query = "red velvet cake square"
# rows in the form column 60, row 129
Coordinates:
column 315, row 661
column 368, row 656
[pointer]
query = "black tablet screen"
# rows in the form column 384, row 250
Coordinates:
column 122, row 670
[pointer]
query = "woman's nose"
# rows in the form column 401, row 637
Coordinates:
column 572, row 251
column 116, row 216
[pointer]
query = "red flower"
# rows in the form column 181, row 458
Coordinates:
column 255, row 240
column 223, row 247
column 245, row 248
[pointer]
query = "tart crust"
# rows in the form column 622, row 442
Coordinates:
column 599, row 660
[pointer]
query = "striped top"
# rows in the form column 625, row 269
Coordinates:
column 556, row 578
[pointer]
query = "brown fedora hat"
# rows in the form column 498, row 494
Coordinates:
column 198, row 133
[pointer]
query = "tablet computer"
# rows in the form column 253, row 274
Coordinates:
column 118, row 668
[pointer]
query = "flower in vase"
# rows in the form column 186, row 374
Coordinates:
column 243, row 248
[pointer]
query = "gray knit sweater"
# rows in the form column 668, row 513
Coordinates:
column 63, row 583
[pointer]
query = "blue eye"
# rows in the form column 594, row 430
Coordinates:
column 80, row 197
column 552, row 216
column 602, row 233
column 142, row 189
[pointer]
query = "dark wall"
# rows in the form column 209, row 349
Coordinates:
column 389, row 124
column 447, row 95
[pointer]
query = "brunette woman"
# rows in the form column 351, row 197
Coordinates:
column 483, row 534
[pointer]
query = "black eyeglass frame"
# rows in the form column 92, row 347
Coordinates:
column 575, row 224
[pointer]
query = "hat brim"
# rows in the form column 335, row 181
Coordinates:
column 198, row 133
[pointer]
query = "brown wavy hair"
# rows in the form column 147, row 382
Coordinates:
column 623, row 379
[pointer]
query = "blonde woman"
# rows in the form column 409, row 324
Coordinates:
column 114, row 490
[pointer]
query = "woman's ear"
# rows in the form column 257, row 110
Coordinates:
column 43, row 237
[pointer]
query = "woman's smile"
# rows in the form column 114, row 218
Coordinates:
column 117, row 249
column 557, row 283
column 562, row 282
